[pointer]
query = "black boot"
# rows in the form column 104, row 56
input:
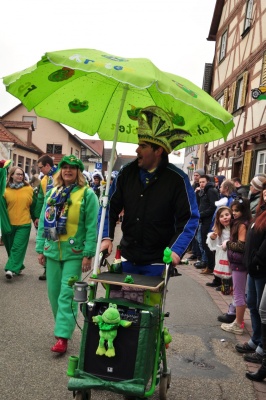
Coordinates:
column 43, row 276
column 261, row 373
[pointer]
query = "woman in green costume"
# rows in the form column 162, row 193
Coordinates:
column 66, row 242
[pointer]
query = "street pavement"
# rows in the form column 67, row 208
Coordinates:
column 203, row 361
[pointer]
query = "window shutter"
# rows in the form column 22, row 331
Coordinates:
column 244, row 90
column 232, row 98
column 225, row 98
column 246, row 167
column 207, row 80
column 263, row 72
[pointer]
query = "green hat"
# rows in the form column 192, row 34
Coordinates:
column 156, row 126
column 71, row 160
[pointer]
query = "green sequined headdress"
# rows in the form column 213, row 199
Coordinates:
column 156, row 126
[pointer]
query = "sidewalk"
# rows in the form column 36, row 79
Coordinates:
column 223, row 302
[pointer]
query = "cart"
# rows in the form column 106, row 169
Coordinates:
column 140, row 363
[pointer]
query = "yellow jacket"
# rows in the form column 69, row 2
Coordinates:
column 19, row 202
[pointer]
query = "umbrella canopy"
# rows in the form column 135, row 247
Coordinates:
column 83, row 88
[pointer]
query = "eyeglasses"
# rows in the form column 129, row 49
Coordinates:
column 41, row 167
column 19, row 174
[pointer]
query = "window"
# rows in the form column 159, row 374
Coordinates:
column 230, row 162
column 77, row 153
column 261, row 162
column 27, row 165
column 31, row 119
column 223, row 46
column 238, row 93
column 54, row 148
column 214, row 168
column 223, row 99
column 189, row 150
column 21, row 162
column 248, row 16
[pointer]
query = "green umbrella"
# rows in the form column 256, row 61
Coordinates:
column 83, row 88
column 96, row 92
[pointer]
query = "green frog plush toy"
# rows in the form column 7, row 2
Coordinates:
column 108, row 324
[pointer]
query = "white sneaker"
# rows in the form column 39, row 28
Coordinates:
column 232, row 328
column 9, row 275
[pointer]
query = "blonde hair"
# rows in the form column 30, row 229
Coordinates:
column 59, row 181
column 11, row 173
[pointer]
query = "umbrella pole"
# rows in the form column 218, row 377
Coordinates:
column 105, row 197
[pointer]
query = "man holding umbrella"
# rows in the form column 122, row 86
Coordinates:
column 160, row 207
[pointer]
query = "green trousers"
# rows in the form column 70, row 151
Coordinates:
column 16, row 244
column 61, row 295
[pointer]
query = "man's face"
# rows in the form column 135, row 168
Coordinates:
column 223, row 190
column 147, row 157
column 45, row 169
column 196, row 177
column 253, row 190
column 203, row 182
column 264, row 195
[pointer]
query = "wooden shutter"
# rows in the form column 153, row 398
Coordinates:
column 246, row 167
column 263, row 72
column 232, row 98
column 244, row 90
column 225, row 104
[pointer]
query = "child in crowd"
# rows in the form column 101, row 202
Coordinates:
column 215, row 239
column 235, row 250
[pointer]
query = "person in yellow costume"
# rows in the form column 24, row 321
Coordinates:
column 66, row 242
column 20, row 205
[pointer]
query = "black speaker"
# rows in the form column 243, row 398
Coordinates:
column 122, row 365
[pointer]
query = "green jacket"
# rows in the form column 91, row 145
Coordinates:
column 81, row 238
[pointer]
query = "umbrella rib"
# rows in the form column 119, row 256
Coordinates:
column 107, row 105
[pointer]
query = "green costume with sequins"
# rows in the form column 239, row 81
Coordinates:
column 64, row 257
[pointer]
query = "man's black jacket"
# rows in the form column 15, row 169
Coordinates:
column 208, row 196
column 163, row 213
